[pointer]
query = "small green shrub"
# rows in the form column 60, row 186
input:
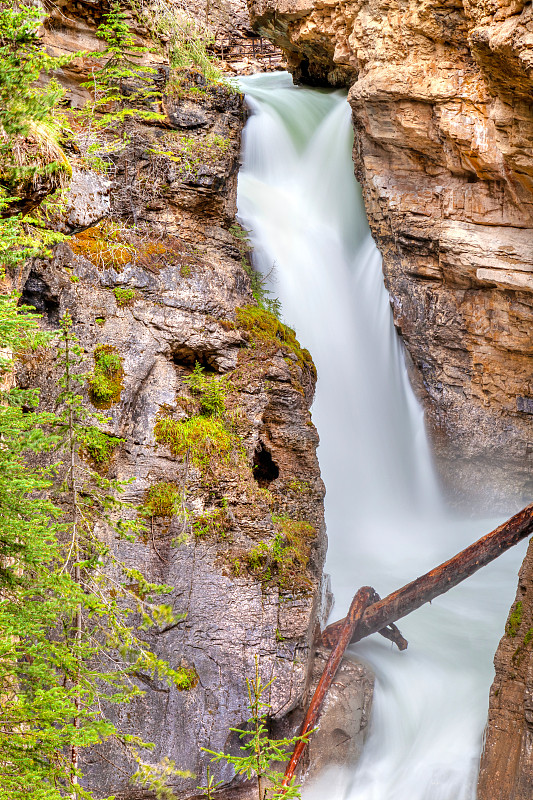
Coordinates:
column 206, row 439
column 97, row 445
column 210, row 389
column 258, row 283
column 260, row 755
column 105, row 382
column 190, row 153
column 162, row 500
column 123, row 296
column 283, row 560
column 187, row 678
column 212, row 523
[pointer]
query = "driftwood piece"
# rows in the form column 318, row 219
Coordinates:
column 383, row 613
column 392, row 633
column 362, row 599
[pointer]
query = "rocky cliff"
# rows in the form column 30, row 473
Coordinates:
column 207, row 399
column 441, row 100
column 507, row 762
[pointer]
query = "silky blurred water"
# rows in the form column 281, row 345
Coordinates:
column 387, row 522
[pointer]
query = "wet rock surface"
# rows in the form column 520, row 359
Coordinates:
column 344, row 718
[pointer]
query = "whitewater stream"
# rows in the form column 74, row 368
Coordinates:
column 387, row 522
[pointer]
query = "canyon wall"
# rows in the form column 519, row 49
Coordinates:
column 155, row 271
column 441, row 98
column 506, row 770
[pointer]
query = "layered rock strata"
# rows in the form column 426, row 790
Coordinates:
column 441, row 99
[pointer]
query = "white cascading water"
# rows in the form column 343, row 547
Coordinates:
column 387, row 522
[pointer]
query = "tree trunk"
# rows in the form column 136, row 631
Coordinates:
column 382, row 614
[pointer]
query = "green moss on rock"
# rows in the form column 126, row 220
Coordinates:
column 161, row 500
column 206, row 439
column 98, row 446
column 283, row 560
column 105, row 381
column 264, row 326
column 125, row 297
column 514, row 621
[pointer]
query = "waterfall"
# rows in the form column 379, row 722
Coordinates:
column 387, row 522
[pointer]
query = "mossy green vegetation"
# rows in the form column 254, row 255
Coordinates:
column 210, row 389
column 215, row 522
column 300, row 487
column 186, row 679
column 265, row 327
column 520, row 651
column 258, row 283
column 98, row 446
column 283, row 560
column 105, row 381
column 124, row 296
column 191, row 153
column 187, row 41
column 161, row 500
column 206, row 439
column 514, row 621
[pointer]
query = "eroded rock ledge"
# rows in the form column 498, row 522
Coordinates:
column 440, row 92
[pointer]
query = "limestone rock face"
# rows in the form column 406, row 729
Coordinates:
column 153, row 270
column 507, row 762
column 440, row 92
column 186, row 282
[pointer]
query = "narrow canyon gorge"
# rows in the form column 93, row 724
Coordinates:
column 156, row 269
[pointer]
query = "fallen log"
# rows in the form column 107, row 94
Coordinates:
column 383, row 613
column 362, row 599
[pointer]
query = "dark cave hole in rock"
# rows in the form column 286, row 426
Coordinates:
column 187, row 357
column 265, row 468
column 37, row 293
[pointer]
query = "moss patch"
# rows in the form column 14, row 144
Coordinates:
column 213, row 523
column 161, row 500
column 185, row 678
column 191, row 153
column 98, row 446
column 104, row 245
column 109, row 245
column 264, row 326
column 105, row 382
column 124, row 296
column 283, row 560
column 514, row 621
column 206, row 439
